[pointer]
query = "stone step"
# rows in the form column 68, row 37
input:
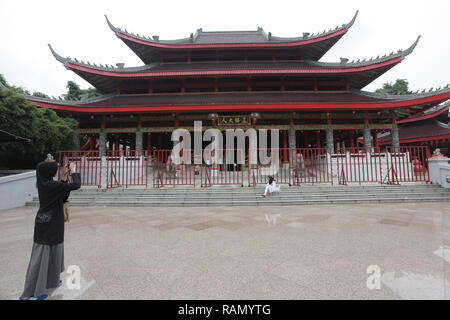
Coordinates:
column 253, row 194
column 250, row 190
column 232, row 196
column 301, row 193
column 262, row 202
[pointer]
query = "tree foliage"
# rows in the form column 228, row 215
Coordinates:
column 48, row 132
column 74, row 92
column 400, row 86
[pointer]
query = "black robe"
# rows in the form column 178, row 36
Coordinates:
column 49, row 222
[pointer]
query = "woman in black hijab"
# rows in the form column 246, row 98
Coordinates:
column 47, row 255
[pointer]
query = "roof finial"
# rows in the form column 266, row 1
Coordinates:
column 110, row 24
column 352, row 21
column 57, row 56
column 410, row 49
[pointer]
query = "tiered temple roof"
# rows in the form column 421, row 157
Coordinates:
column 314, row 46
column 359, row 73
column 245, row 101
column 292, row 63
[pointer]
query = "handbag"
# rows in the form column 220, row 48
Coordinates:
column 66, row 211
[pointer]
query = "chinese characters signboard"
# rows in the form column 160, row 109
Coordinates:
column 234, row 120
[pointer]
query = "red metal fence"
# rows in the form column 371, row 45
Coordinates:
column 225, row 170
column 292, row 166
column 167, row 172
column 89, row 165
column 359, row 165
column 407, row 164
column 299, row 166
column 126, row 168
column 312, row 166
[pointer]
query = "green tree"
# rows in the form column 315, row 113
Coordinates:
column 401, row 86
column 74, row 92
column 48, row 132
column 40, row 94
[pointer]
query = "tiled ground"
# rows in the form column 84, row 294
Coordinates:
column 305, row 252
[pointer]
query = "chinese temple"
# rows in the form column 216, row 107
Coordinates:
column 245, row 79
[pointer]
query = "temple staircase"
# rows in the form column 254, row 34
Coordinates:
column 248, row 196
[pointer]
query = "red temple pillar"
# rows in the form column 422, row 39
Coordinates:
column 305, row 137
column 318, row 139
column 160, row 137
column 149, row 144
column 117, row 136
column 376, row 143
column 110, row 144
column 133, row 142
column 285, row 147
column 216, row 85
column 352, row 139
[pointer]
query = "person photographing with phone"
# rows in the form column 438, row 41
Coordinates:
column 47, row 255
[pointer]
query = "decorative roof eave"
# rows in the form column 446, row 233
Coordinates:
column 272, row 41
column 406, row 97
column 428, row 113
column 432, row 130
column 365, row 62
column 68, row 62
column 342, row 66
column 147, row 72
column 63, row 102
column 85, row 107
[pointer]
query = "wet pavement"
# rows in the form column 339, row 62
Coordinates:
column 372, row 251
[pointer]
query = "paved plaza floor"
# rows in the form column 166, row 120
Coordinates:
column 298, row 252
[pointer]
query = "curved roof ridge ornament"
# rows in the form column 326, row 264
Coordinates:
column 348, row 25
column 57, row 56
column 411, row 48
column 111, row 26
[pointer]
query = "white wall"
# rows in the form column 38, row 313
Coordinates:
column 17, row 189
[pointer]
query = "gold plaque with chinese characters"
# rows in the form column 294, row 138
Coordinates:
column 234, row 120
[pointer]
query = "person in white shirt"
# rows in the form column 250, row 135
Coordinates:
column 271, row 187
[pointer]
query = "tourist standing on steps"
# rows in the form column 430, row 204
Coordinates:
column 47, row 255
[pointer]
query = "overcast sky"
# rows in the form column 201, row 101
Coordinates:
column 78, row 29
